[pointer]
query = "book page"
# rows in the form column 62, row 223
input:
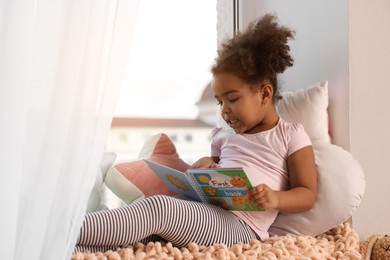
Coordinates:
column 226, row 188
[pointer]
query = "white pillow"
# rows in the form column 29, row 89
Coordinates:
column 340, row 178
column 340, row 190
column 95, row 197
column 308, row 106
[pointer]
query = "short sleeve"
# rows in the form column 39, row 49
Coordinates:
column 298, row 138
column 216, row 142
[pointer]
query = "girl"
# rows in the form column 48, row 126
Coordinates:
column 277, row 155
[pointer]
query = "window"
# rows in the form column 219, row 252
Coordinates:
column 173, row 137
column 174, row 45
column 188, row 138
column 173, row 48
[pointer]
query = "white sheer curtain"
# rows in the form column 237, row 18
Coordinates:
column 61, row 67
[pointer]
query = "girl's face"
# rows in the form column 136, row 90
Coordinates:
column 244, row 109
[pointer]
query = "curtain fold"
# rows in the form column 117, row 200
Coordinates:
column 61, row 68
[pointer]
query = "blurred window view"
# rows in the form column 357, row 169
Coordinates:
column 166, row 87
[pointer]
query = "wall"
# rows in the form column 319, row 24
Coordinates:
column 369, row 97
column 320, row 50
column 347, row 43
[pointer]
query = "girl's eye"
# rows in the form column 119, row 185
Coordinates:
column 219, row 103
column 233, row 100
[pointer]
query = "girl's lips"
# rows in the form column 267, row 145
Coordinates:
column 232, row 123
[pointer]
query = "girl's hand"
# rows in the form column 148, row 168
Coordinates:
column 264, row 197
column 205, row 162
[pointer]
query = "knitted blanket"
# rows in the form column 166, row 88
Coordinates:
column 342, row 242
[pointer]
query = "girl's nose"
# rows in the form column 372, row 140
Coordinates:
column 225, row 108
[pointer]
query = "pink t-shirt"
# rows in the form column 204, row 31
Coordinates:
column 264, row 157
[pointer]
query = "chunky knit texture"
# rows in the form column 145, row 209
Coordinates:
column 342, row 242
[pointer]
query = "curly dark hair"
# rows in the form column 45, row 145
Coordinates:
column 257, row 54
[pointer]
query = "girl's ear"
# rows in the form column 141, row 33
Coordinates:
column 266, row 93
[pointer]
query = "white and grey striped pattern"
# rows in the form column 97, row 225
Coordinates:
column 162, row 218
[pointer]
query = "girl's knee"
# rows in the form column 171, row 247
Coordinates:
column 159, row 200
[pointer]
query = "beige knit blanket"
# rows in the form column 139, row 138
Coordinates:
column 341, row 242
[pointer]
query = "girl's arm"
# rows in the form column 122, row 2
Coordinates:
column 206, row 162
column 303, row 185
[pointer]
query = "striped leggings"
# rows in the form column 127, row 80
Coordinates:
column 161, row 218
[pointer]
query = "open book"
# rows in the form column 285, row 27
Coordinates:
column 223, row 187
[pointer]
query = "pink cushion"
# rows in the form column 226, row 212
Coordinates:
column 158, row 148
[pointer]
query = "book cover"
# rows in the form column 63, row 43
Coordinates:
column 224, row 187
column 177, row 181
